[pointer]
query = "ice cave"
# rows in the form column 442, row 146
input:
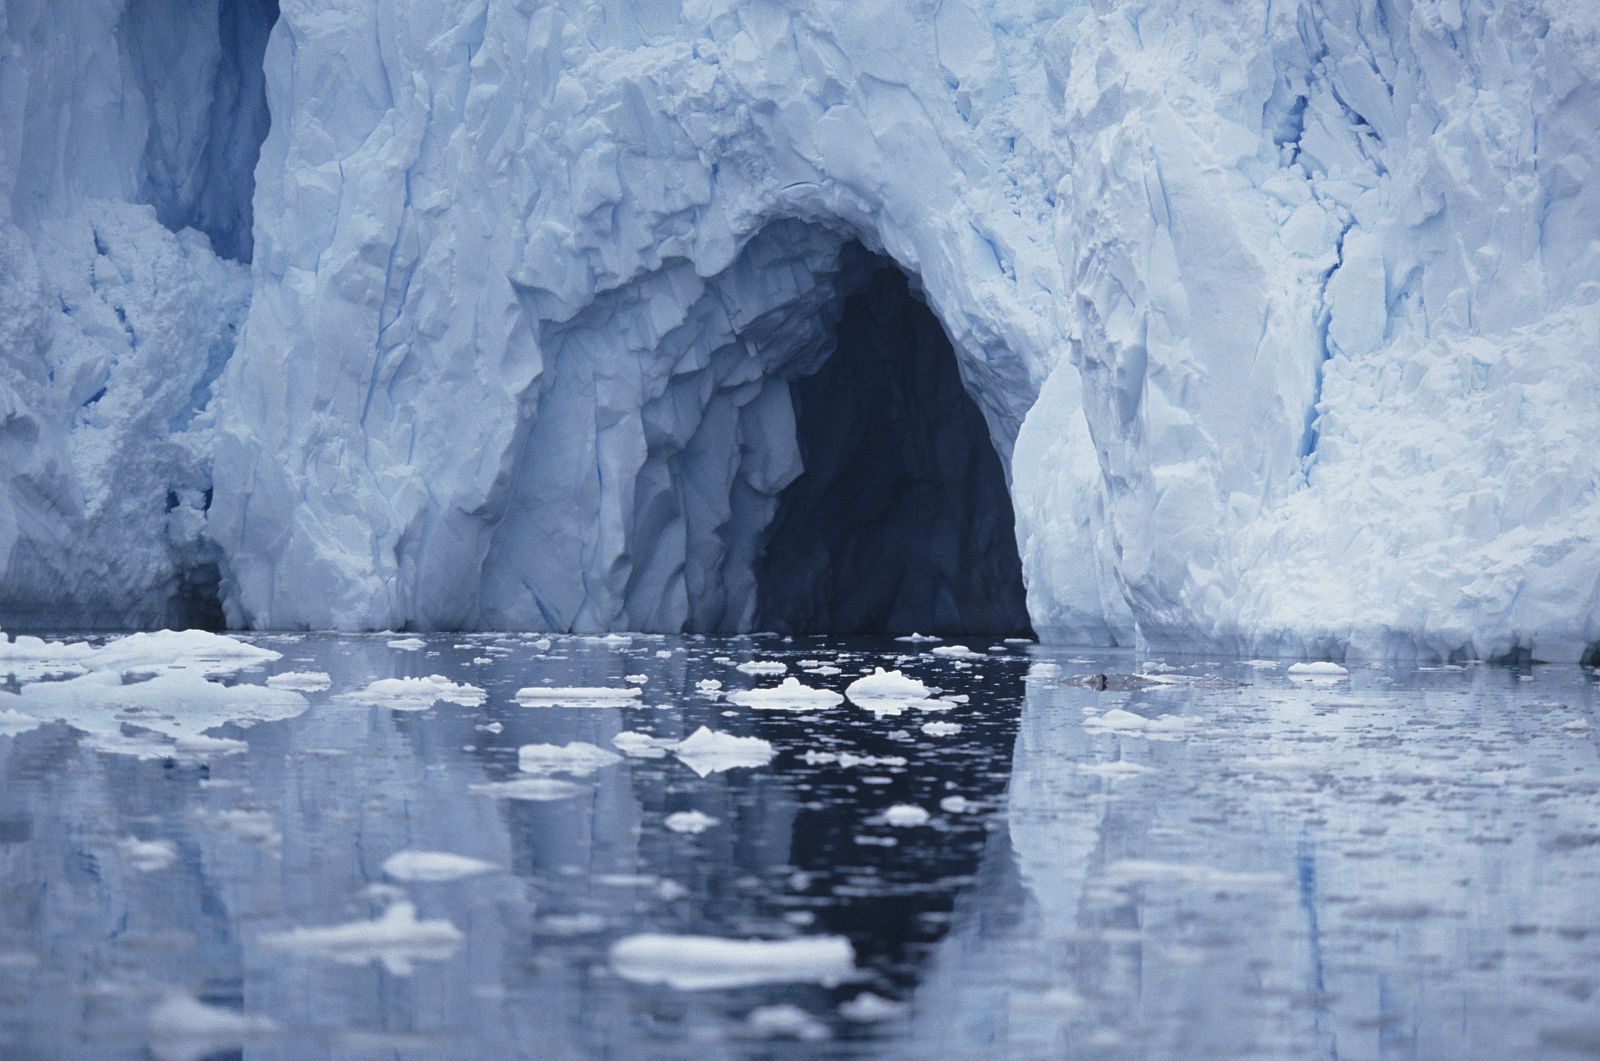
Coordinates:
column 789, row 528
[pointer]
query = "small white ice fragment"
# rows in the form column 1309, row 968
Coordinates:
column 957, row 805
column 301, row 681
column 1122, row 721
column 577, row 696
column 534, row 789
column 941, row 729
column 577, row 758
column 147, row 856
column 790, row 695
column 433, row 866
column 918, row 638
column 867, row 1008
column 956, row 652
column 417, row 694
column 695, row 963
column 761, row 666
column 689, row 821
column 886, row 685
column 636, row 679
column 185, row 1029
column 395, row 940
column 706, row 751
column 786, row 1020
column 1318, row 671
column 406, row 644
column 708, row 685
column 642, row 745
column 905, row 815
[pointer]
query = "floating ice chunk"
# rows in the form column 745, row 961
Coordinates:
column 905, row 815
column 957, row 805
column 1122, row 721
column 417, row 694
column 758, row 666
column 395, row 940
column 166, row 708
column 1019, row 641
column 636, row 679
column 847, row 759
column 407, row 644
column 1043, row 669
column 708, row 685
column 542, row 644
column 534, row 789
column 707, row 751
column 194, row 650
column 147, row 856
column 577, row 696
column 577, row 758
column 826, row 670
column 694, row 963
column 941, row 729
column 790, row 695
column 642, row 745
column 689, row 821
column 1319, row 671
column 304, row 681
column 886, row 685
column 14, row 722
column 182, row 1028
column 786, row 1020
column 867, row 1008
column 918, row 638
column 955, row 652
column 433, row 866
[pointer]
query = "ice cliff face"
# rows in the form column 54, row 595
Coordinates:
column 1281, row 319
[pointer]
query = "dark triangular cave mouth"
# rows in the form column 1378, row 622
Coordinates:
column 902, row 520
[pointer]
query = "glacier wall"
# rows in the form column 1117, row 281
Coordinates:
column 127, row 139
column 1281, row 318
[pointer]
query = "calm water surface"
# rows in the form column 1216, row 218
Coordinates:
column 1216, row 861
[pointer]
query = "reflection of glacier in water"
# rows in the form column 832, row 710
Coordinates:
column 1394, row 862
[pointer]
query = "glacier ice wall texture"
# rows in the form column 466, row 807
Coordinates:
column 1283, row 320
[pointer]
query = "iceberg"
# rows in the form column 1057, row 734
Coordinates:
column 963, row 318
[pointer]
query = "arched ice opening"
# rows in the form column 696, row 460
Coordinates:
column 788, row 444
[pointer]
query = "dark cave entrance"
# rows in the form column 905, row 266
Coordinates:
column 902, row 520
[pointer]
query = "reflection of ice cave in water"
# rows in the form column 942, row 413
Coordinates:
column 901, row 520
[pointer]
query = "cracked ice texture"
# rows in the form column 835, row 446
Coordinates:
column 1283, row 321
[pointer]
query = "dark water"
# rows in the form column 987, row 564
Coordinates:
column 1401, row 863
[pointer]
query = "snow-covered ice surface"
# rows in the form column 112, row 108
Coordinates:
column 1279, row 324
column 1225, row 861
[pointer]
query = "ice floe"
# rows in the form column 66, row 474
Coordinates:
column 182, row 1028
column 1318, row 671
column 433, row 866
column 689, row 821
column 577, row 758
column 577, row 696
column 159, row 650
column 706, row 751
column 786, row 1021
column 1127, row 723
column 760, row 666
column 147, row 856
column 906, row 815
column 395, row 940
column 693, row 963
column 790, row 695
column 417, row 694
column 301, row 681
